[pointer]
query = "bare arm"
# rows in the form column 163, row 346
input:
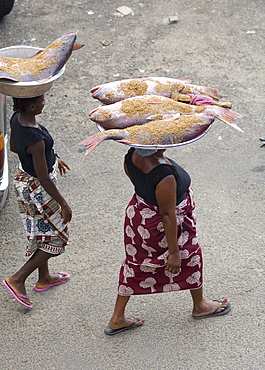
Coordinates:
column 37, row 151
column 12, row 146
column 166, row 199
column 126, row 170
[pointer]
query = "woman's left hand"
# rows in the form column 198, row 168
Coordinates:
column 174, row 263
column 62, row 166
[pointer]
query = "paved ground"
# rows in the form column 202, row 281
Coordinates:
column 218, row 43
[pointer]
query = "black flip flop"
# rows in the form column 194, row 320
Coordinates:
column 215, row 313
column 110, row 331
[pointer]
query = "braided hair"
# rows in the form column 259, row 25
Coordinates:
column 21, row 104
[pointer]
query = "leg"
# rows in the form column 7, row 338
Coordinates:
column 17, row 281
column 201, row 307
column 118, row 319
column 47, row 280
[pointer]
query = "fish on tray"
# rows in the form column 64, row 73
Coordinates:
column 170, row 131
column 178, row 89
column 141, row 109
column 43, row 65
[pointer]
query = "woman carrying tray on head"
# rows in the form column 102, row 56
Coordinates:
column 161, row 244
column 44, row 211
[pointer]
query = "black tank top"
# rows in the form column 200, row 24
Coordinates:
column 25, row 136
column 145, row 183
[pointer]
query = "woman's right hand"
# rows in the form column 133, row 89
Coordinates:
column 66, row 213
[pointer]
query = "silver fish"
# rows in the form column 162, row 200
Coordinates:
column 170, row 131
column 178, row 89
column 43, row 64
column 141, row 109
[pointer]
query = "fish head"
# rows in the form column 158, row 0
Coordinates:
column 99, row 115
column 106, row 93
column 110, row 117
column 98, row 93
column 104, row 116
column 70, row 37
column 67, row 45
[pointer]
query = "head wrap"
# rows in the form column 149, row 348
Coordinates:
column 145, row 152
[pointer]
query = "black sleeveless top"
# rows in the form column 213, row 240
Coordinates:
column 25, row 136
column 145, row 183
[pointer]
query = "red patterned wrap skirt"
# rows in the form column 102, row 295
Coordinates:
column 143, row 270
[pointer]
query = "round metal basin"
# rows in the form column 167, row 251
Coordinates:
column 25, row 89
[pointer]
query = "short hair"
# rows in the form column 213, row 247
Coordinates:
column 21, row 104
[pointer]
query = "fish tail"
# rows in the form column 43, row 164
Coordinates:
column 184, row 80
column 224, row 114
column 92, row 141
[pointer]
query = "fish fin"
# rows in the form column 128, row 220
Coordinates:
column 38, row 52
column 9, row 78
column 92, row 141
column 6, row 76
column 184, row 80
column 77, row 46
column 71, row 33
column 224, row 114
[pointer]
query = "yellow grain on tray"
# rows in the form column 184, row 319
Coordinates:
column 161, row 88
column 165, row 87
column 34, row 65
column 153, row 133
column 133, row 87
column 133, row 107
column 156, row 106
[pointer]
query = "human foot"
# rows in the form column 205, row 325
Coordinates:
column 212, row 308
column 54, row 279
column 129, row 323
column 22, row 298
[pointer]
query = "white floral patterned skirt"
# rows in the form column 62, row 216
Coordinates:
column 143, row 271
column 41, row 215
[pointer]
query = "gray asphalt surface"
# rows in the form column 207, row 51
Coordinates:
column 217, row 43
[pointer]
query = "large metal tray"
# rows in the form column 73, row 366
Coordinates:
column 100, row 128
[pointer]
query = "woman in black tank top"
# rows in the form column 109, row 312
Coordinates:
column 161, row 244
column 45, row 213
